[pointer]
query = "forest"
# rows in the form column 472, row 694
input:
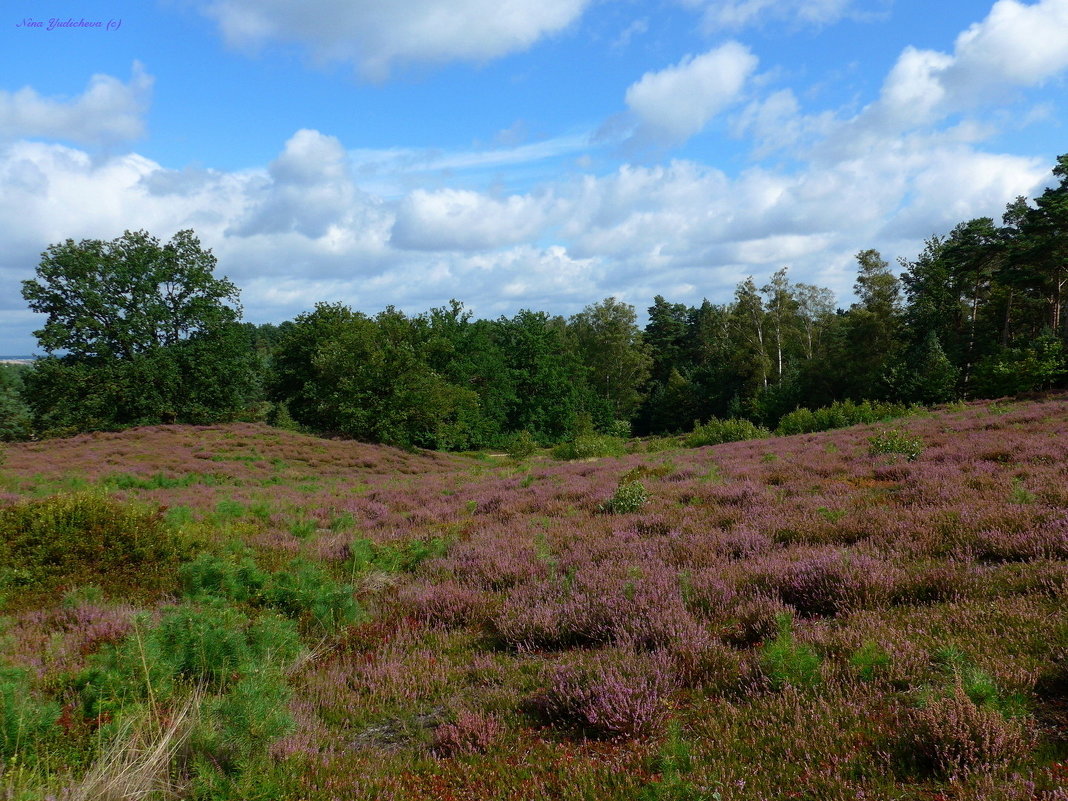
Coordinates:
column 141, row 333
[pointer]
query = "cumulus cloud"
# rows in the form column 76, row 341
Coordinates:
column 1017, row 45
column 456, row 219
column 108, row 111
column 309, row 189
column 376, row 36
column 675, row 103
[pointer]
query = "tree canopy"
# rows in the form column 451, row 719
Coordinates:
column 148, row 334
column 128, row 296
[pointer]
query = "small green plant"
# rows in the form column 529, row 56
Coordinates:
column 785, row 662
column 302, row 528
column 674, row 763
column 23, row 719
column 870, row 661
column 629, row 497
column 895, row 441
column 978, row 685
column 1020, row 493
column 303, row 591
column 831, row 515
column 228, row 509
column 402, row 557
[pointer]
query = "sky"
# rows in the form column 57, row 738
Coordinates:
column 512, row 154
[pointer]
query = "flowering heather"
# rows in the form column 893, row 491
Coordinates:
column 500, row 598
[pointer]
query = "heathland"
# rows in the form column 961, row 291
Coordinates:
column 243, row 612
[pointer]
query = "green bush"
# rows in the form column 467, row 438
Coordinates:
column 630, row 496
column 590, row 446
column 895, row 441
column 786, row 662
column 840, row 414
column 976, row 683
column 403, row 557
column 208, row 644
column 522, row 445
column 302, row 591
column 870, row 661
column 87, row 538
column 716, row 432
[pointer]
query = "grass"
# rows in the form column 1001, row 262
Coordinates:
column 242, row 612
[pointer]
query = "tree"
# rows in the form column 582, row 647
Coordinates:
column 129, row 296
column 149, row 334
column 609, row 344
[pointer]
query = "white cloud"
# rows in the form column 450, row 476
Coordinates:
column 721, row 15
column 455, row 219
column 301, row 230
column 674, row 104
column 1016, row 45
column 310, row 189
column 377, row 35
column 108, row 111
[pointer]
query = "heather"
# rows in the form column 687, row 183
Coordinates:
column 872, row 612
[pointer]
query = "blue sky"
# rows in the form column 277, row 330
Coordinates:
column 519, row 153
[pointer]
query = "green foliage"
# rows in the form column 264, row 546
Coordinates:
column 895, row 441
column 207, row 644
column 16, row 417
column 1039, row 364
column 303, row 591
column 522, row 445
column 86, row 538
column 785, row 662
column 630, row 496
column 840, row 414
column 674, row 763
column 148, row 335
column 402, row 557
column 590, row 446
column 978, row 685
column 24, row 719
column 715, row 432
column 870, row 661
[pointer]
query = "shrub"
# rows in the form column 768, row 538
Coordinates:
column 87, row 538
column 716, row 431
column 840, row 414
column 870, row 661
column 522, row 445
column 628, row 497
column 976, row 683
column 398, row 557
column 614, row 694
column 754, row 620
column 470, row 733
column 590, row 446
column 954, row 736
column 785, row 662
column 895, row 441
column 205, row 644
column 302, row 591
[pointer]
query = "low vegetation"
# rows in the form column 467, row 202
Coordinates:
column 242, row 612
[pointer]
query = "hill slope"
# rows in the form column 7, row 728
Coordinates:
column 877, row 612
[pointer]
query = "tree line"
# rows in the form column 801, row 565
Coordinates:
column 145, row 333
